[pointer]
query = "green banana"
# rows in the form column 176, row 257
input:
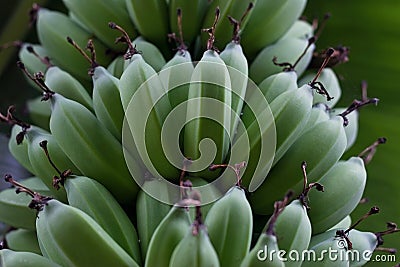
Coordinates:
column 14, row 207
column 151, row 20
column 116, row 67
column 39, row 112
column 33, row 64
column 319, row 112
column 23, row 240
column 195, row 248
column 193, row 9
column 107, row 101
column 171, row 230
column 230, row 224
column 344, row 224
column 300, row 29
column 286, row 50
column 141, row 89
column 351, row 129
column 18, row 148
column 268, row 22
column 98, row 21
column 207, row 108
column 321, row 147
column 95, row 200
column 58, row 241
column 278, row 83
column 330, row 81
column 150, row 211
column 9, row 258
column 54, row 41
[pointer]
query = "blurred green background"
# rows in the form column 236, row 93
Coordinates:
column 372, row 31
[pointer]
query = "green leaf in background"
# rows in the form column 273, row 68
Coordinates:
column 372, row 31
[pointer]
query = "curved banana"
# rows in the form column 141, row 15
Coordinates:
column 230, row 224
column 351, row 129
column 39, row 112
column 9, row 258
column 23, row 240
column 19, row 150
column 276, row 84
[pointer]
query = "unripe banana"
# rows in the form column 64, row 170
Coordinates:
column 301, row 29
column 321, row 147
column 232, row 8
column 96, row 15
column 230, row 224
column 268, row 22
column 107, row 101
column 33, row 64
column 237, row 65
column 116, row 67
column 9, row 258
column 151, row 20
column 207, row 113
column 278, row 83
column 195, row 249
column 150, row 53
column 150, row 211
column 58, row 240
column 343, row 224
column 319, row 113
column 351, row 129
column 293, row 228
column 166, row 237
column 14, row 207
column 331, row 83
column 344, row 186
column 364, row 243
column 19, row 150
column 286, row 50
column 102, row 157
column 23, row 240
column 53, row 39
column 193, row 9
column 39, row 112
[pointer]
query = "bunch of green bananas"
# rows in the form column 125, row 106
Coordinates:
column 152, row 159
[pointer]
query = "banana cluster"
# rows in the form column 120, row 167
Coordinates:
column 144, row 157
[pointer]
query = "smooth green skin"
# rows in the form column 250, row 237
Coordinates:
column 291, row 111
column 191, row 28
column 237, row 65
column 149, row 212
column 107, row 101
column 277, row 84
column 230, row 226
column 321, row 147
column 150, row 53
column 224, row 29
column 23, row 240
column 343, row 189
column 151, row 20
column 19, row 151
column 116, row 67
column 362, row 241
column 352, row 128
column 329, row 243
column 195, row 250
column 65, row 84
column 331, row 83
column 140, row 75
column 74, row 126
column 41, row 165
column 97, row 21
column 9, row 258
column 95, row 200
column 14, row 210
column 175, row 72
column 171, row 230
column 39, row 112
column 300, row 29
column 344, row 224
column 286, row 50
column 268, row 22
column 64, row 55
column 293, row 229
column 79, row 240
column 210, row 68
column 31, row 62
column 264, row 241
column 319, row 113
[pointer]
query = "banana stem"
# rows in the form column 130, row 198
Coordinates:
column 373, row 210
column 124, row 39
column 211, row 32
column 9, row 118
column 368, row 153
column 279, row 206
column 44, row 60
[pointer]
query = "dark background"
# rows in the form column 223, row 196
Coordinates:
column 372, row 31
